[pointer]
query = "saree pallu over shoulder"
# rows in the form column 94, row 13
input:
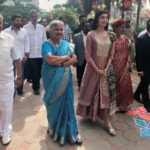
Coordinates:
column 121, row 68
column 57, row 85
column 59, row 96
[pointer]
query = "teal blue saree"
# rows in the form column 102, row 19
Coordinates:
column 59, row 95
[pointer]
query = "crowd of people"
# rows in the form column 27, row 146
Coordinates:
column 31, row 50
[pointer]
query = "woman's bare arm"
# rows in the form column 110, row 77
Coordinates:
column 56, row 60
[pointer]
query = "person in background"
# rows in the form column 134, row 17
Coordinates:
column 143, row 67
column 21, row 43
column 27, row 74
column 37, row 36
column 91, row 20
column 97, row 91
column 130, row 34
column 79, row 40
column 8, row 56
column 67, row 29
column 44, row 22
column 82, row 18
column 58, row 57
column 24, row 20
column 121, row 64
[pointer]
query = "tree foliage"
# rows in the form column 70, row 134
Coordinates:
column 71, row 4
column 7, row 11
column 71, row 16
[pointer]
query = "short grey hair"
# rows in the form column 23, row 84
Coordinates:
column 1, row 17
column 54, row 23
column 32, row 11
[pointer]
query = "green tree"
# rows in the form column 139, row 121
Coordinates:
column 71, row 16
column 17, row 9
column 74, row 5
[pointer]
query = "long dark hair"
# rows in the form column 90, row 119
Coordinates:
column 97, row 15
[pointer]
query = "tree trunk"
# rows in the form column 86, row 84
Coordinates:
column 138, row 15
column 122, row 14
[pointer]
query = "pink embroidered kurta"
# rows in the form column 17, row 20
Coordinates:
column 94, row 91
column 123, row 80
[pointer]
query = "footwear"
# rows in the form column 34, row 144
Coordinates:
column 122, row 111
column 62, row 141
column 138, row 99
column 110, row 129
column 20, row 93
column 36, row 92
column 50, row 133
column 6, row 140
column 148, row 109
column 79, row 140
column 29, row 80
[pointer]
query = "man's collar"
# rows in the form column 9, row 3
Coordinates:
column 148, row 33
column 12, row 29
column 83, row 33
column 1, row 35
column 33, row 24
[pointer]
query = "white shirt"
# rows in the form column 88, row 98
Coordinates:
column 37, row 36
column 7, row 55
column 84, row 38
column 21, row 44
column 143, row 32
column 67, row 32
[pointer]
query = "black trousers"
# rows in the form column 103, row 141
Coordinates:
column 35, row 70
column 142, row 89
column 20, row 89
column 80, row 71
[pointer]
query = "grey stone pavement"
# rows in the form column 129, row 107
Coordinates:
column 30, row 125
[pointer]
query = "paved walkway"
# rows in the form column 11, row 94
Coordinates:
column 30, row 125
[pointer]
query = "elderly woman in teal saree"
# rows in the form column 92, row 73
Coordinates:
column 58, row 56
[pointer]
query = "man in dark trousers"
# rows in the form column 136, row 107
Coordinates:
column 37, row 36
column 143, row 67
column 80, row 43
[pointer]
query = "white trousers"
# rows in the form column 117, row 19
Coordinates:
column 6, row 107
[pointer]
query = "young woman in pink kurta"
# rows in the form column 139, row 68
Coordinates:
column 121, row 67
column 95, row 96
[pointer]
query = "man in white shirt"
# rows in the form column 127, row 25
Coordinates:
column 79, row 40
column 21, row 43
column 37, row 36
column 8, row 56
